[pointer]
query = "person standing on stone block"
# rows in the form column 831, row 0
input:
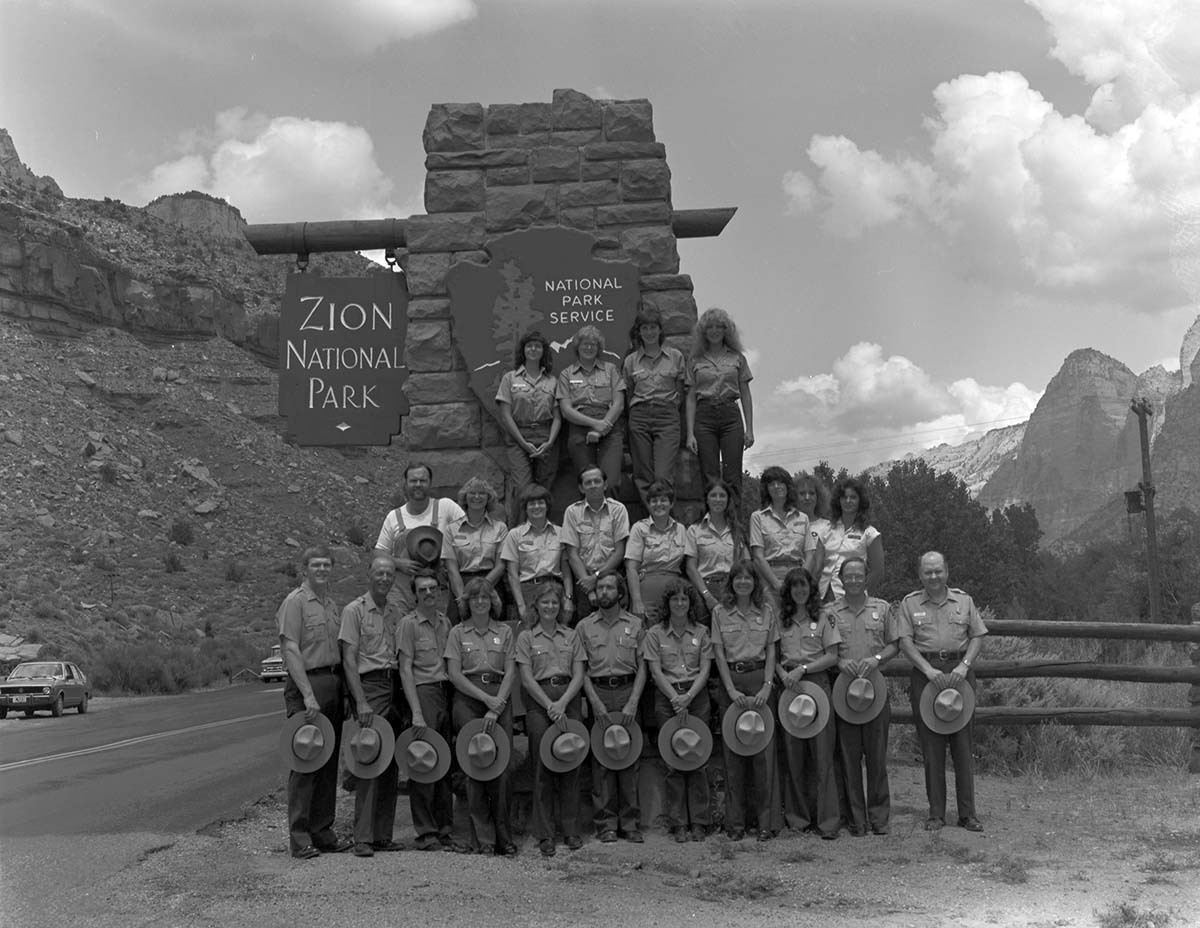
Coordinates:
column 654, row 389
column 591, row 396
column 419, row 509
column 528, row 403
column 717, row 376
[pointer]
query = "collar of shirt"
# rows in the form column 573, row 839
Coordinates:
column 669, row 530
column 524, row 375
column 687, row 631
column 310, row 593
column 735, row 611
column 548, row 527
column 706, row 523
column 493, row 628
column 621, row 616
column 465, row 521
column 926, row 598
column 435, row 619
column 577, row 368
column 539, row 630
column 604, row 507
column 791, row 511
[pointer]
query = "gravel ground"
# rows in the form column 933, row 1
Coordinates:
column 1058, row 852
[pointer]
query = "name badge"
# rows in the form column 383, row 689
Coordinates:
column 918, row 615
column 696, row 641
column 874, row 615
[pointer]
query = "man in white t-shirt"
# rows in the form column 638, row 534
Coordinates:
column 419, row 509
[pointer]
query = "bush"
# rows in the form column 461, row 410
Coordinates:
column 235, row 571
column 173, row 562
column 355, row 536
column 182, row 532
column 108, row 472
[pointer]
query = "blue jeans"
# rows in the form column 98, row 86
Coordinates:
column 606, row 454
column 653, row 444
column 720, row 440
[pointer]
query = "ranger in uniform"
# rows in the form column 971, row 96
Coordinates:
column 941, row 633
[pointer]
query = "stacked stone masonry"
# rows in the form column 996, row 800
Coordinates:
column 582, row 163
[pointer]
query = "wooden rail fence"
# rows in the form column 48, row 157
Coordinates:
column 1086, row 715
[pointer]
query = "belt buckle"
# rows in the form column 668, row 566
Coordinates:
column 613, row 682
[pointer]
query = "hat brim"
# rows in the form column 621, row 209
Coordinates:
column 667, row 731
column 546, row 752
column 606, row 758
column 387, row 748
column 292, row 725
column 729, row 730
column 434, row 740
column 841, row 687
column 824, row 711
column 470, row 766
column 942, row 726
column 415, row 537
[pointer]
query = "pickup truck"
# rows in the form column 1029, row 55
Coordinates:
column 272, row 667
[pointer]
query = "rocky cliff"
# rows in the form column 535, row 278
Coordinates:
column 1076, row 453
column 200, row 213
column 973, row 462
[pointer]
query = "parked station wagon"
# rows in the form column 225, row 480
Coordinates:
column 53, row 685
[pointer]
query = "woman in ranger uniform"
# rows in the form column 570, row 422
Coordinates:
column 719, row 544
column 744, row 632
column 591, row 395
column 779, row 537
column 655, row 553
column 528, row 403
column 533, row 553
column 551, row 661
column 808, row 646
column 679, row 656
column 480, row 662
column 654, row 388
column 474, row 540
column 717, row 377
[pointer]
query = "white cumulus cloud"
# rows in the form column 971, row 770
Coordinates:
column 1099, row 208
column 280, row 169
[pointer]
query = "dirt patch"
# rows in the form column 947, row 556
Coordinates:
column 1121, row 851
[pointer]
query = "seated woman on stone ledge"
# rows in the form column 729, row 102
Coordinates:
column 528, row 402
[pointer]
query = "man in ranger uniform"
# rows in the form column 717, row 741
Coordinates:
column 594, row 532
column 941, row 633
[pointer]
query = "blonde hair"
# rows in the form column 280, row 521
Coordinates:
column 733, row 340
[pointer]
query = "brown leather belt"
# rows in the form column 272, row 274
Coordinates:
column 615, row 681
column 747, row 666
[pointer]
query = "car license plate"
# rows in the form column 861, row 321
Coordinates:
column 18, row 698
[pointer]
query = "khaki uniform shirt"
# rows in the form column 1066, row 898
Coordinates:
column 718, row 377
column 678, row 655
column 536, row 554
column 714, row 550
column 477, row 548
column 744, row 636
column 549, row 655
column 374, row 631
column 484, row 651
column 595, row 533
column 312, row 622
column 866, row 631
column 591, row 393
column 424, row 640
column 532, row 401
column 654, row 380
column 945, row 626
column 659, row 550
column 785, row 539
column 612, row 648
column 804, row 641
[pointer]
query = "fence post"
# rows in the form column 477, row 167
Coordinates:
column 1194, row 699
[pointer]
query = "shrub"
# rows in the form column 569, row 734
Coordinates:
column 108, row 472
column 173, row 562
column 182, row 532
column 355, row 536
column 235, row 571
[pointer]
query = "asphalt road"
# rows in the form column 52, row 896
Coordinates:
column 83, row 796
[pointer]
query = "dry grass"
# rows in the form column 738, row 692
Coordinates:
column 1126, row 915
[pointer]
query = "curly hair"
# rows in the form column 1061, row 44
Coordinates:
column 733, row 340
column 861, row 518
column 773, row 474
column 745, row 567
column 533, row 491
column 695, row 615
column 472, row 485
column 548, row 588
column 588, row 332
column 478, row 585
column 533, row 335
column 789, row 608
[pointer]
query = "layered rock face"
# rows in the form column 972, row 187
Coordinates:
column 1176, row 458
column 1076, row 453
column 14, row 170
column 200, row 213
column 973, row 461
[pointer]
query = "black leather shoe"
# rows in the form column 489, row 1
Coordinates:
column 574, row 842
column 362, row 849
column 634, row 837
column 881, row 829
column 308, row 852
column 934, row 824
column 680, row 834
column 506, row 850
column 338, row 847
column 547, row 848
column 608, row 837
column 970, row 823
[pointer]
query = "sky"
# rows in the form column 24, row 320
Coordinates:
column 938, row 200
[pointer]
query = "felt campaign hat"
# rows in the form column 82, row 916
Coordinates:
column 564, row 750
column 946, row 711
column 367, row 751
column 685, row 743
column 306, row 746
column 747, row 731
column 481, row 755
column 425, row 759
column 617, row 747
column 859, row 699
column 804, row 711
column 423, row 536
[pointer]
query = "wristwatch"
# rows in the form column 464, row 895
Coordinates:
column 965, row 662
column 878, row 658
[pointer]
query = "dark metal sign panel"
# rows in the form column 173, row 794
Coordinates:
column 341, row 358
column 547, row 279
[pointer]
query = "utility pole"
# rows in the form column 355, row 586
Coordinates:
column 1142, row 409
